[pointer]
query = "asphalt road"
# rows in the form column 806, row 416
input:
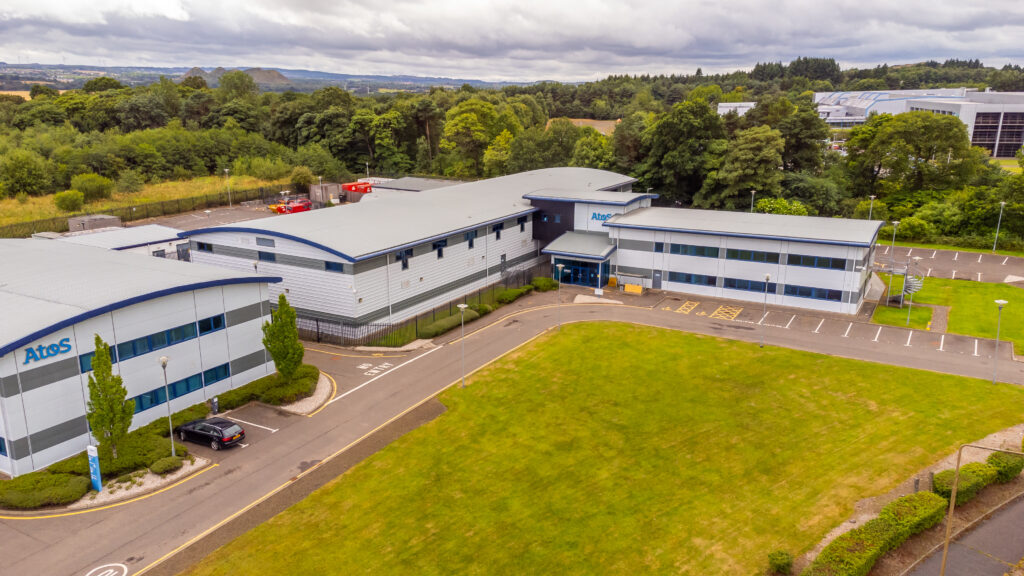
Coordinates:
column 375, row 389
column 979, row 267
column 990, row 549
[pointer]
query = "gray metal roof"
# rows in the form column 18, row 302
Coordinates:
column 414, row 184
column 122, row 238
column 47, row 285
column 812, row 229
column 367, row 229
column 590, row 196
column 584, row 245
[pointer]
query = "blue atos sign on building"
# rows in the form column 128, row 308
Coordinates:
column 600, row 217
column 40, row 352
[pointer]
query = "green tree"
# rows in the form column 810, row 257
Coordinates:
column 301, row 179
column 675, row 148
column 593, row 150
column 92, row 186
column 101, row 84
column 780, row 206
column 497, row 154
column 129, row 181
column 805, row 134
column 878, row 210
column 23, row 171
column 194, row 82
column 41, row 91
column 753, row 162
column 281, row 339
column 109, row 414
column 69, row 200
column 237, row 85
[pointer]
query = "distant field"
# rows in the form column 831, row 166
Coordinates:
column 605, row 127
column 22, row 93
column 41, row 207
column 1009, row 164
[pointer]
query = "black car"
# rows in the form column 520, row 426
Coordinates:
column 217, row 432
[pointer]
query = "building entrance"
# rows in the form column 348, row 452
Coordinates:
column 582, row 273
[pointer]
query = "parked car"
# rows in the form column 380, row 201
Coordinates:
column 217, row 432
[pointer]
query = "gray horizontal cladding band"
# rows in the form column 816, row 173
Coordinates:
column 69, row 367
column 50, row 437
column 638, row 245
column 249, row 361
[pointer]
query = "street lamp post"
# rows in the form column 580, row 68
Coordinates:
column 462, row 314
column 999, row 321
column 228, row 179
column 888, row 292
column 559, row 266
column 320, row 187
column 998, row 223
column 871, row 207
column 752, row 192
column 764, row 326
column 167, row 393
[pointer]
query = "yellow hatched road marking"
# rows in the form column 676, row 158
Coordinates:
column 687, row 307
column 726, row 312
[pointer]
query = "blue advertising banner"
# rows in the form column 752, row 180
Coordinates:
column 94, row 468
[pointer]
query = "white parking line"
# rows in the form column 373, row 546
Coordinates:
column 819, row 326
column 975, row 347
column 953, row 277
column 929, row 272
column 909, row 252
column 1005, row 259
column 942, row 342
column 909, row 336
column 790, row 321
column 979, row 257
column 979, row 276
column 877, row 334
column 272, row 430
column 762, row 318
column 381, row 375
column 886, row 250
column 847, row 333
column 243, row 445
column 955, row 256
column 934, row 252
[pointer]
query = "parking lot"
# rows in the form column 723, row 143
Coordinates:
column 259, row 422
column 954, row 265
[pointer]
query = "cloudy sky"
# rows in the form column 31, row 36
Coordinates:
column 506, row 39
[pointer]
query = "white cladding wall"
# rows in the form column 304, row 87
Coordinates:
column 56, row 405
column 650, row 261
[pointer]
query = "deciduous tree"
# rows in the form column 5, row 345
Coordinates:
column 109, row 414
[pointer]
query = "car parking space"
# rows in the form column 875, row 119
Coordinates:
column 259, row 422
column 951, row 264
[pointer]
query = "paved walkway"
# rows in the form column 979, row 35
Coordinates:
column 990, row 549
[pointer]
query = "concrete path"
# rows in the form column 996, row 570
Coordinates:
column 990, row 549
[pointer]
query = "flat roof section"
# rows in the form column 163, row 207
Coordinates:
column 47, row 285
column 414, row 184
column 365, row 230
column 576, row 195
column 594, row 246
column 811, row 229
column 123, row 238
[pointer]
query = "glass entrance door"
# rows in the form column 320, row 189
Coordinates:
column 582, row 273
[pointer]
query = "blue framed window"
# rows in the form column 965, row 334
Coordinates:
column 181, row 334
column 470, row 237
column 185, row 386
column 439, row 246
column 85, row 360
column 815, row 293
column 558, row 218
column 143, row 345
column 267, row 256
column 3, row 447
column 403, row 257
column 334, row 266
column 497, row 228
column 816, row 262
column 150, row 399
column 752, row 256
column 216, row 374
column 749, row 285
column 659, row 247
column 688, row 250
column 211, row 324
column 522, row 220
column 698, row 279
column 204, row 247
column 267, row 242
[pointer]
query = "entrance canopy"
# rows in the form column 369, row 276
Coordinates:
column 590, row 246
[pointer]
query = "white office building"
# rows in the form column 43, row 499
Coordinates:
column 57, row 296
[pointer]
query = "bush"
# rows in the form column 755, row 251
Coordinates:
column 93, row 186
column 1007, row 466
column 510, row 295
column 302, row 385
column 973, row 477
column 166, row 465
column 129, row 181
column 138, row 450
column 914, row 514
column 780, row 562
column 69, row 200
column 481, row 309
column 77, row 465
column 244, row 394
column 544, row 284
column 159, row 426
column 855, row 552
column 42, row 488
column 21, row 197
column 443, row 325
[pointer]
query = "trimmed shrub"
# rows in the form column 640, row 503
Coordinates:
column 510, row 295
column 136, row 451
column 914, row 514
column 481, row 309
column 243, row 394
column 42, row 489
column 855, row 552
column 302, row 385
column 780, row 562
column 159, row 426
column 443, row 325
column 77, row 465
column 165, row 466
column 69, row 200
column 93, row 186
column 545, row 284
column 1007, row 466
column 973, row 477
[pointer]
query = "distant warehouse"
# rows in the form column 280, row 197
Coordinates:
column 57, row 296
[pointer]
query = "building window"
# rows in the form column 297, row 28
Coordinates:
column 145, row 344
column 470, row 236
column 181, row 334
column 497, row 230
column 3, row 447
column 150, row 399
column 522, row 220
column 659, row 247
column 558, row 218
column 698, row 279
column 267, row 242
column 85, row 360
column 816, row 262
column 185, row 386
column 217, row 374
column 815, row 293
column 403, row 257
column 439, row 246
column 749, row 285
column 688, row 250
column 160, row 253
column 204, row 247
column 267, row 256
column 211, row 324
column 334, row 266
column 752, row 256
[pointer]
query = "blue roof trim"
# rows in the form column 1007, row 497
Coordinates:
column 198, row 231
column 582, row 201
column 580, row 256
column 129, row 247
column 755, row 236
column 128, row 302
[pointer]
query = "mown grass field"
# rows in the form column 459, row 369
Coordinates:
column 973, row 311
column 41, row 207
column 610, row 448
column 920, row 316
column 1009, row 164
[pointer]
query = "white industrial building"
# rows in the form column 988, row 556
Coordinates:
column 57, row 296
column 150, row 239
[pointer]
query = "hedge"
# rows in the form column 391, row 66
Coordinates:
column 1007, row 466
column 481, row 309
column 166, row 465
column 510, row 295
column 445, row 324
column 855, row 552
column 544, row 284
column 973, row 477
column 271, row 390
column 159, row 426
column 42, row 488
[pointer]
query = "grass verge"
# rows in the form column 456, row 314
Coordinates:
column 920, row 316
column 610, row 448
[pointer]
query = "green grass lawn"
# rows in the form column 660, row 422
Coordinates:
column 1016, row 253
column 1009, row 164
column 973, row 311
column 610, row 448
column 920, row 316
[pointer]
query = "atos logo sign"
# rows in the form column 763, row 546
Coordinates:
column 600, row 217
column 40, row 352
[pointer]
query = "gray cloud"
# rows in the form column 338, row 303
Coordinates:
column 505, row 39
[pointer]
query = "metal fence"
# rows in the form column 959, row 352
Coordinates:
column 265, row 194
column 401, row 333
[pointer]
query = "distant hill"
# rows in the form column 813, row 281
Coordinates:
column 263, row 77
